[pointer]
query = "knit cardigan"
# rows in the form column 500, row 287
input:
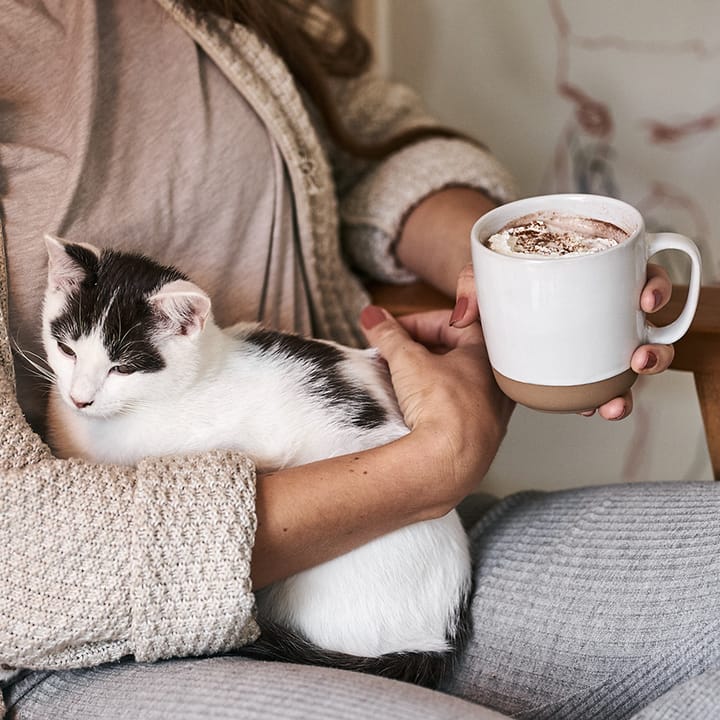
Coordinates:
column 153, row 561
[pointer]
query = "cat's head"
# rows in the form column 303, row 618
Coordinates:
column 119, row 329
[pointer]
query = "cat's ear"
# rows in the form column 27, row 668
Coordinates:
column 183, row 307
column 69, row 263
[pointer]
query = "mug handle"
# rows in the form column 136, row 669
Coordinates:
column 669, row 334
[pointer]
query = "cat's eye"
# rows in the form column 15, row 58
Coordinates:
column 66, row 349
column 122, row 369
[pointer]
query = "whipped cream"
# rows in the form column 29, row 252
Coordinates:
column 556, row 237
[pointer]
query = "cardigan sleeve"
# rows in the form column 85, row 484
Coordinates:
column 103, row 562
column 375, row 198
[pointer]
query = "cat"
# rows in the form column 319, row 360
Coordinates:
column 140, row 368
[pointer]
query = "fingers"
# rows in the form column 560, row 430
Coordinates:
column 466, row 308
column 383, row 331
column 646, row 360
column 652, row 359
column 433, row 329
column 417, row 332
column 617, row 409
column 657, row 290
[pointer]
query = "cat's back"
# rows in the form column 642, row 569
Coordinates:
column 313, row 398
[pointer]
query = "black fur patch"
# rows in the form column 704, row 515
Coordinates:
column 324, row 377
column 428, row 668
column 114, row 292
column 279, row 644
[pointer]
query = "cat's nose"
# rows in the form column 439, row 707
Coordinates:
column 80, row 403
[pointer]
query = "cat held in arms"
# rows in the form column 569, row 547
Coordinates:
column 140, row 368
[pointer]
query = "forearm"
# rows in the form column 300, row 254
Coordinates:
column 435, row 238
column 313, row 513
column 106, row 561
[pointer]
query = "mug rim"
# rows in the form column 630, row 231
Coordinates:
column 545, row 202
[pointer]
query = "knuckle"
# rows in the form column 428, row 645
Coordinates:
column 467, row 272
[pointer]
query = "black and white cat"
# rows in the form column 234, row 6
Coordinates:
column 140, row 368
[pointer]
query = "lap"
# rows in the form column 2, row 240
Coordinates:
column 695, row 699
column 589, row 603
column 592, row 602
column 226, row 688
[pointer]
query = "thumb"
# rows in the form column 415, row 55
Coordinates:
column 384, row 332
column 466, row 306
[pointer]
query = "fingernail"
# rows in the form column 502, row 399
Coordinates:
column 650, row 362
column 622, row 414
column 459, row 310
column 657, row 295
column 371, row 316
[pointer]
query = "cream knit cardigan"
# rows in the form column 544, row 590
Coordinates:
column 153, row 561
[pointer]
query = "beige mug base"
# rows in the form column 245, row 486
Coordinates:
column 566, row 398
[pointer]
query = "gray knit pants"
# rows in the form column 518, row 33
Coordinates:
column 592, row 603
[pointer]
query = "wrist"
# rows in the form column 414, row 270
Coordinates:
column 444, row 472
column 435, row 239
column 457, row 454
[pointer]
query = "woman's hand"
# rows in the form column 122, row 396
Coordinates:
column 311, row 513
column 646, row 360
column 435, row 244
column 446, row 392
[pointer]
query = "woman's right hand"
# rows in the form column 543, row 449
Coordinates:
column 446, row 392
column 646, row 360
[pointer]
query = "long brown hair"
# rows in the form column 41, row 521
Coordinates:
column 316, row 44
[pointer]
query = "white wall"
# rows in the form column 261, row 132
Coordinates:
column 613, row 97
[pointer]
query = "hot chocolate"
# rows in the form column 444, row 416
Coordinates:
column 554, row 235
column 559, row 301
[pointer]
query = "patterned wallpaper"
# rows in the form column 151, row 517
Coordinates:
column 641, row 83
column 613, row 97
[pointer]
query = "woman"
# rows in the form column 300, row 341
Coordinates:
column 178, row 130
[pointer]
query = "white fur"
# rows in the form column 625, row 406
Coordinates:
column 179, row 299
column 399, row 592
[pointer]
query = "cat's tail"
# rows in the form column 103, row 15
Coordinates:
column 280, row 644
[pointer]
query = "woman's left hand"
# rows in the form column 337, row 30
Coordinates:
column 646, row 360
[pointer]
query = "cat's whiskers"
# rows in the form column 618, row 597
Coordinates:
column 132, row 407
column 43, row 371
column 131, row 343
column 127, row 332
column 118, row 311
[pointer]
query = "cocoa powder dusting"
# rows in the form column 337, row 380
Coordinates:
column 537, row 239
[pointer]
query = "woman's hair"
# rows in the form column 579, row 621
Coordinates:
column 316, row 44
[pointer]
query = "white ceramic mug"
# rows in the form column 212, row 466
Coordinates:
column 560, row 331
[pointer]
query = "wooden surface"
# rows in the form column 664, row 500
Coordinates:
column 406, row 299
column 698, row 352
